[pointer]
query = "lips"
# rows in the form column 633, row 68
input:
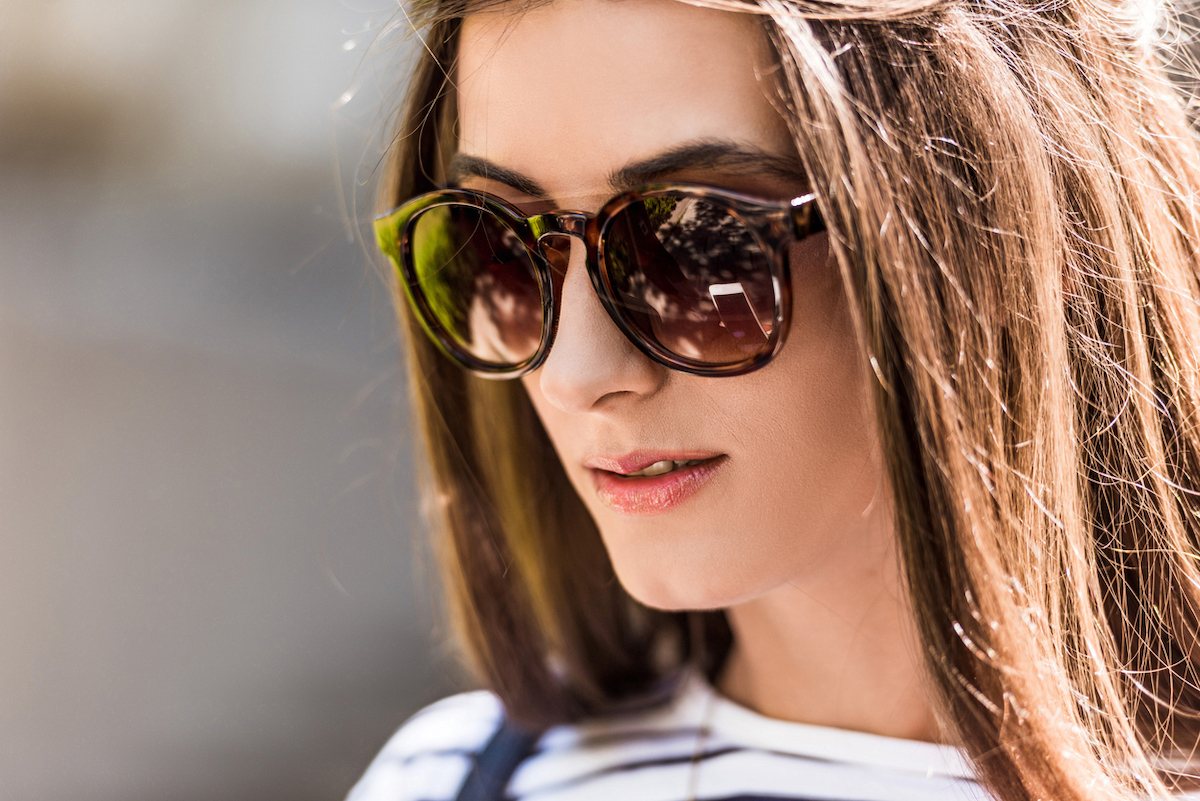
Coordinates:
column 664, row 482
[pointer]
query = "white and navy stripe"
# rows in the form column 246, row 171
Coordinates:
column 661, row 755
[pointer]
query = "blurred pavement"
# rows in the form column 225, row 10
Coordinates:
column 207, row 584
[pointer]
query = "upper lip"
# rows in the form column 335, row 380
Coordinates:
column 640, row 460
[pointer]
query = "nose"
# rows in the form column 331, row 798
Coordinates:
column 591, row 365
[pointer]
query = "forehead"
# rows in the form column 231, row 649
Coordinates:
column 568, row 93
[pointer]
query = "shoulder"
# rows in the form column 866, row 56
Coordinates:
column 692, row 737
column 431, row 754
column 429, row 758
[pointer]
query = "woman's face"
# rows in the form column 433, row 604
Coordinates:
column 565, row 95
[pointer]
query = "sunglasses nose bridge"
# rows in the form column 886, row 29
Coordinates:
column 563, row 223
column 572, row 223
column 552, row 230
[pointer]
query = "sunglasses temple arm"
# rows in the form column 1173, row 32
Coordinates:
column 806, row 217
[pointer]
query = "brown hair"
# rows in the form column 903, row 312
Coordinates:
column 1035, row 338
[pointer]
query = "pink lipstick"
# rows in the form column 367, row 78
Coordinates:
column 663, row 482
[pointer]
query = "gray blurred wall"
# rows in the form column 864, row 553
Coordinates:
column 207, row 584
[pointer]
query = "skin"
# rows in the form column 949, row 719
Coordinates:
column 793, row 534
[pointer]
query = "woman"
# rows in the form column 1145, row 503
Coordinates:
column 850, row 445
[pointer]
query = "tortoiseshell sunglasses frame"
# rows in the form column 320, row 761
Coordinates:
column 774, row 224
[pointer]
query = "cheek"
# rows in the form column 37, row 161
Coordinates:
column 791, row 504
column 797, row 507
column 568, row 434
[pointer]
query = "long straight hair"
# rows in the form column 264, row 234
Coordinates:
column 1010, row 190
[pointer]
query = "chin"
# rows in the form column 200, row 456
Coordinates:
column 674, row 588
column 669, row 600
column 696, row 562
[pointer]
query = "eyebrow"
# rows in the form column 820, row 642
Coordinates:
column 706, row 153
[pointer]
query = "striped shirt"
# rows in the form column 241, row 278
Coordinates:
column 699, row 745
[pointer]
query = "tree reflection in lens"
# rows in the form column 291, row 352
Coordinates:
column 693, row 277
column 479, row 283
column 504, row 323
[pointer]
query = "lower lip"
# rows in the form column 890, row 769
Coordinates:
column 651, row 495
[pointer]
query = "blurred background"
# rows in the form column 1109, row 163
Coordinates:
column 209, row 587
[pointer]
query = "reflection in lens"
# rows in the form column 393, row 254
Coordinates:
column 691, row 277
column 479, row 283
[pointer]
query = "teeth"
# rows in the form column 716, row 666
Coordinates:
column 665, row 466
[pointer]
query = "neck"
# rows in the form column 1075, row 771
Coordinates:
column 840, row 651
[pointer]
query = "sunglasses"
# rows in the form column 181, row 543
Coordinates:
column 696, row 277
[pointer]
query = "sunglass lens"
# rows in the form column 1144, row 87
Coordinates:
column 479, row 284
column 691, row 278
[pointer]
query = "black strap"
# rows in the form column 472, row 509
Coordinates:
column 497, row 762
